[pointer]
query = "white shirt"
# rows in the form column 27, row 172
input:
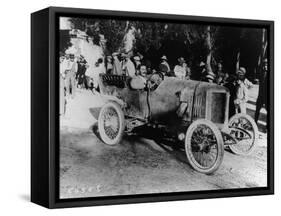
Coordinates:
column 180, row 71
column 62, row 67
column 129, row 68
column 242, row 92
column 96, row 72
column 71, row 65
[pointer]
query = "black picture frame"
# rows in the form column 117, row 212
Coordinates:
column 45, row 109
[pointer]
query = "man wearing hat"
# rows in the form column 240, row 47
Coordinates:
column 80, row 76
column 164, row 61
column 241, row 72
column 97, row 70
column 181, row 70
column 163, row 71
column 117, row 66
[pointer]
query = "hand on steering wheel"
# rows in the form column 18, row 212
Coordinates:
column 154, row 81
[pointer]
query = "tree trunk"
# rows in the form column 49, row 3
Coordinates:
column 262, row 55
column 209, row 48
column 238, row 61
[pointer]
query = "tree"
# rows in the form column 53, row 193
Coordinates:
column 194, row 42
column 209, row 50
column 64, row 40
column 112, row 30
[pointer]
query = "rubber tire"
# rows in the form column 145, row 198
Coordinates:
column 102, row 133
column 255, row 128
column 220, row 144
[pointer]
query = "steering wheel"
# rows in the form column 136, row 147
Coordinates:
column 154, row 81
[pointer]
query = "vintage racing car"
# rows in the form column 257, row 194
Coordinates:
column 193, row 113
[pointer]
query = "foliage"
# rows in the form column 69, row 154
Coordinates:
column 113, row 31
column 194, row 42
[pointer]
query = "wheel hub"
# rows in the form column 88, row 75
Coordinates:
column 112, row 122
column 204, row 146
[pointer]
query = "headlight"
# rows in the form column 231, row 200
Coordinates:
column 181, row 136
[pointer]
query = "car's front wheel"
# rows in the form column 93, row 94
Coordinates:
column 111, row 123
column 204, row 146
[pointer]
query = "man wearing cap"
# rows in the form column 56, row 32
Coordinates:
column 164, row 61
column 128, row 66
column 181, row 70
column 241, row 91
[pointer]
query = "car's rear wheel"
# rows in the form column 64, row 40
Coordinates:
column 111, row 123
column 204, row 146
column 244, row 129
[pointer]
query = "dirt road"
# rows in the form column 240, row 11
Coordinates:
column 137, row 165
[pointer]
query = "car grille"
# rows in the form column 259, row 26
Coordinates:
column 218, row 105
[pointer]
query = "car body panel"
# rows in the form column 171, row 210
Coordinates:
column 201, row 100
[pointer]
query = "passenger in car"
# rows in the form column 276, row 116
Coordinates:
column 140, row 80
column 158, row 76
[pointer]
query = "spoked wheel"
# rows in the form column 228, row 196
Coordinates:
column 244, row 129
column 204, row 146
column 111, row 123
